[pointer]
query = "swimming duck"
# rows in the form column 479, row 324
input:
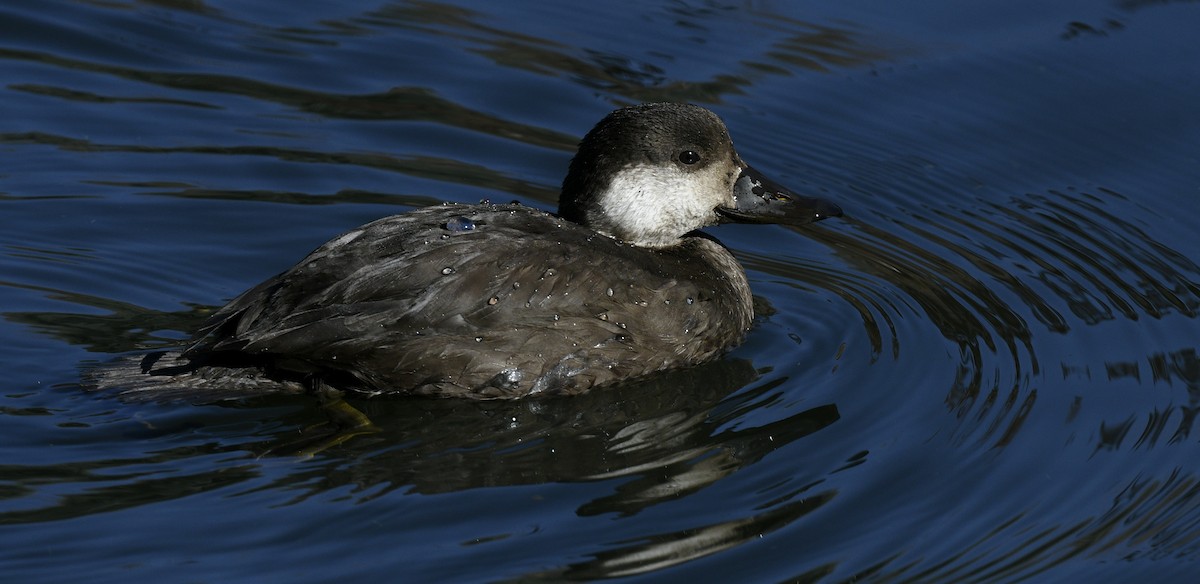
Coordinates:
column 507, row 301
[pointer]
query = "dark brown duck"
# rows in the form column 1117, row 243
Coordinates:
column 505, row 301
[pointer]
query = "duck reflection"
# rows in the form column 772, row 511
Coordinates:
column 665, row 431
column 669, row 435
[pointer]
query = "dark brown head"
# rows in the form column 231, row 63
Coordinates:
column 651, row 173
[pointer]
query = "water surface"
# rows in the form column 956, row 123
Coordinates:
column 986, row 372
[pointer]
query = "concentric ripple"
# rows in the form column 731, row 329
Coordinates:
column 1000, row 282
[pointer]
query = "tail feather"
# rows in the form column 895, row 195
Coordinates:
column 168, row 376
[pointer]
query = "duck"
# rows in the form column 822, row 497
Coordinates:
column 506, row 301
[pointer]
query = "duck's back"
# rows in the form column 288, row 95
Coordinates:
column 484, row 301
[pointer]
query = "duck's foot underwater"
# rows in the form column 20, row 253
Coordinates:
column 343, row 422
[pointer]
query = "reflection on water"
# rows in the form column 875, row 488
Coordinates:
column 990, row 279
column 669, row 434
column 803, row 46
column 418, row 166
column 668, row 549
column 972, row 377
column 1151, row 518
column 1172, row 424
column 808, row 46
column 123, row 327
column 399, row 103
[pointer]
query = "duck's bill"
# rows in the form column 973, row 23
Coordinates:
column 761, row 200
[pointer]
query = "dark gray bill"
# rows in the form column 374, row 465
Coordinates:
column 761, row 200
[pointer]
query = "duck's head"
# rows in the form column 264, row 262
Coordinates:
column 649, row 174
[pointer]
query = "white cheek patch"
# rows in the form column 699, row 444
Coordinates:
column 655, row 205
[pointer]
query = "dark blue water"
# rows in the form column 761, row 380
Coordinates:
column 986, row 372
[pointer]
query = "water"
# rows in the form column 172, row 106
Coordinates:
column 986, row 372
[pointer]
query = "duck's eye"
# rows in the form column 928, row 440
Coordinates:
column 689, row 157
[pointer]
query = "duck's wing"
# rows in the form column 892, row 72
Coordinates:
column 522, row 302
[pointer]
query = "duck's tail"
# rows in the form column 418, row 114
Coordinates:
column 169, row 376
